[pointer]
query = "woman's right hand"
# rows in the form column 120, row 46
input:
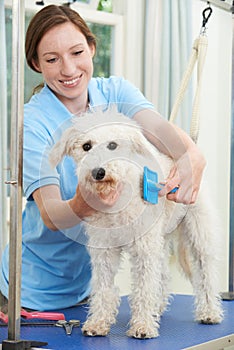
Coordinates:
column 81, row 203
column 58, row 214
column 85, row 203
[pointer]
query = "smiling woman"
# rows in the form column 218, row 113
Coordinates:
column 102, row 58
column 66, row 68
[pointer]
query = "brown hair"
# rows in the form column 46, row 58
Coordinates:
column 47, row 18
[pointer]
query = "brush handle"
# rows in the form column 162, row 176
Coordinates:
column 151, row 187
column 174, row 190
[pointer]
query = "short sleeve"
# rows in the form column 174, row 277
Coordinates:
column 130, row 99
column 37, row 171
column 119, row 91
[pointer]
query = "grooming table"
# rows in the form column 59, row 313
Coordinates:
column 178, row 330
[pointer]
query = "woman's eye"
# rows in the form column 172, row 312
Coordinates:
column 87, row 146
column 77, row 53
column 112, row 146
column 51, row 60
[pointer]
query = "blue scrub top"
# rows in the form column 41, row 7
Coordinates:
column 56, row 267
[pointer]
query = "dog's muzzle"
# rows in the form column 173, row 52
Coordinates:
column 98, row 173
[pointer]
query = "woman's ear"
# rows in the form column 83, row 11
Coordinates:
column 92, row 50
column 36, row 66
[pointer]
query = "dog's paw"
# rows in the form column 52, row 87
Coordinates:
column 93, row 329
column 214, row 316
column 142, row 331
column 211, row 319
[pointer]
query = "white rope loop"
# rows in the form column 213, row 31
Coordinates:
column 195, row 120
column 198, row 55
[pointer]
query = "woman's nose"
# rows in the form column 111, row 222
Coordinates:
column 68, row 67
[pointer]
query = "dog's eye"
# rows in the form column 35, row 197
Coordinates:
column 112, row 145
column 87, row 146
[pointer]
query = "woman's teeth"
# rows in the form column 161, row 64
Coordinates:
column 70, row 82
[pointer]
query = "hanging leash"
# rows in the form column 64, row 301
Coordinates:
column 198, row 55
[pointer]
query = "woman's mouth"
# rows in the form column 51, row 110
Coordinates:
column 71, row 83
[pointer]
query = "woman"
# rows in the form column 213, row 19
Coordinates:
column 55, row 264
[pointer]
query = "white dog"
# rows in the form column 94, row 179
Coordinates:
column 109, row 149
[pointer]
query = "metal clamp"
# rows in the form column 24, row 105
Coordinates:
column 11, row 182
column 68, row 325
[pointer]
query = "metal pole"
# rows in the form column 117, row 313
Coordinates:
column 3, row 132
column 230, row 294
column 231, row 244
column 16, row 169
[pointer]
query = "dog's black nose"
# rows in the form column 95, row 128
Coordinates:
column 98, row 173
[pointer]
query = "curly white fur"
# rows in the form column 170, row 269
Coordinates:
column 139, row 228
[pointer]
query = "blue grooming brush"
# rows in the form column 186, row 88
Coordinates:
column 150, row 186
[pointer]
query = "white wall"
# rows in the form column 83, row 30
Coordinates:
column 214, row 139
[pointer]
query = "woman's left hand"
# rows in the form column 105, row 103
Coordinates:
column 189, row 163
column 186, row 174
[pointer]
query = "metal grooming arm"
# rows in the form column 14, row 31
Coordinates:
column 16, row 169
column 228, row 5
column 230, row 294
column 15, row 261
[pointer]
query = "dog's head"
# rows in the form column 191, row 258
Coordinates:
column 102, row 128
column 107, row 147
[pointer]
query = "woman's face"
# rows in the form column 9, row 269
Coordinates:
column 65, row 61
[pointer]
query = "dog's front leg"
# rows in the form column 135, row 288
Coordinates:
column 146, row 258
column 104, row 300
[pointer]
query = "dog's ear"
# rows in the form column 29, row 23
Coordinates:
column 64, row 146
column 141, row 145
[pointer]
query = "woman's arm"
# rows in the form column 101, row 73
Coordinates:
column 174, row 142
column 58, row 214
